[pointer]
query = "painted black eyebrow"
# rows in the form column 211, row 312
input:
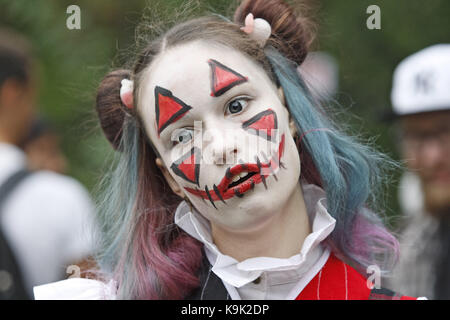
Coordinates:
column 218, row 91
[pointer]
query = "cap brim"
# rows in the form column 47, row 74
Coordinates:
column 390, row 116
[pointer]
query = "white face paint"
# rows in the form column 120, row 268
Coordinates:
column 213, row 105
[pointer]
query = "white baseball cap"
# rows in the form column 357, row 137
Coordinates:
column 421, row 82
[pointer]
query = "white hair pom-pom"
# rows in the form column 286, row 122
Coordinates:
column 126, row 93
column 258, row 29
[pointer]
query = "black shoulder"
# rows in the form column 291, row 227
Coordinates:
column 386, row 294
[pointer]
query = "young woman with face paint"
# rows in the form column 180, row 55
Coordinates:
column 232, row 183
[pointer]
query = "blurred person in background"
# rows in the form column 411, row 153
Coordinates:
column 44, row 216
column 421, row 102
column 43, row 149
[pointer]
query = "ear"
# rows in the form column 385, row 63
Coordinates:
column 170, row 180
column 292, row 127
column 281, row 95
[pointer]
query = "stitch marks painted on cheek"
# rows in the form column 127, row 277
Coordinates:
column 223, row 78
column 253, row 174
column 168, row 108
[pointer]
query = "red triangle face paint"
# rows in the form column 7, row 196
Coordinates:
column 223, row 78
column 188, row 166
column 168, row 108
column 262, row 124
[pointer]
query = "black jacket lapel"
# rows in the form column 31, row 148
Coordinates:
column 211, row 286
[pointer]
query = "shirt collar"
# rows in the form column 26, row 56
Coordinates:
column 240, row 273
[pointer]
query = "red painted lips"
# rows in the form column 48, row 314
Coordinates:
column 257, row 173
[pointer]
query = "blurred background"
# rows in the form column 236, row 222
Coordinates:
column 72, row 62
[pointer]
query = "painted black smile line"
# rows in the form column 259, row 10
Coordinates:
column 249, row 175
column 241, row 180
column 227, row 189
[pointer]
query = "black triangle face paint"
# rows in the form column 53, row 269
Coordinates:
column 188, row 166
column 263, row 124
column 223, row 78
column 168, row 108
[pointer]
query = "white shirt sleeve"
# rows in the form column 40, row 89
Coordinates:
column 76, row 289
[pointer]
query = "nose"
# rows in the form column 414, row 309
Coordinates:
column 432, row 154
column 225, row 155
column 222, row 147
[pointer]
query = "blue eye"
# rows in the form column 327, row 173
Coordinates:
column 237, row 105
column 181, row 136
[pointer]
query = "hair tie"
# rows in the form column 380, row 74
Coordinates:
column 126, row 93
column 258, row 29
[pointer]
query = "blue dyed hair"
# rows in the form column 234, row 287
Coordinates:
column 350, row 173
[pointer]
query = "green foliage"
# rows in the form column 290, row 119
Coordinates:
column 72, row 62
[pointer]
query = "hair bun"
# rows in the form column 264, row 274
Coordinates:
column 110, row 109
column 291, row 34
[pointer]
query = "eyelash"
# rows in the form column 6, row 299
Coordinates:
column 175, row 136
column 243, row 98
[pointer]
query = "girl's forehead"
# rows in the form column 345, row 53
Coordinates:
column 187, row 65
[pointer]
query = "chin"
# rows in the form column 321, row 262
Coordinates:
column 252, row 209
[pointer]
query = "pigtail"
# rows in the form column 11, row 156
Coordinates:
column 141, row 248
column 110, row 109
column 292, row 34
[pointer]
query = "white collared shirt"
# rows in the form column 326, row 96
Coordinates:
column 278, row 279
